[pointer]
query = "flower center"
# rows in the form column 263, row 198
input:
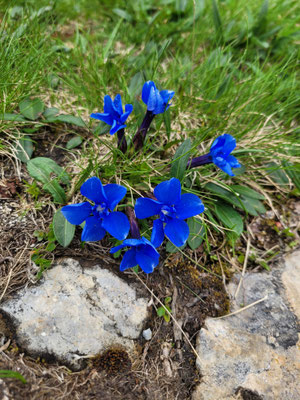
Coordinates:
column 100, row 210
column 167, row 212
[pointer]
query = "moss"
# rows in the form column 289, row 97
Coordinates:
column 113, row 361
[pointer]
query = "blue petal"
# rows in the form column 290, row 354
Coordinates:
column 147, row 258
column 177, row 231
column 117, row 224
column 158, row 234
column 152, row 101
column 223, row 165
column 168, row 192
column 224, row 144
column 128, row 260
column 146, row 90
column 189, row 205
column 108, row 107
column 93, row 190
column 116, row 127
column 145, row 207
column 117, row 248
column 233, row 162
column 128, row 111
column 117, row 104
column 160, row 104
column 92, row 230
column 166, row 95
column 114, row 194
column 77, row 213
column 103, row 117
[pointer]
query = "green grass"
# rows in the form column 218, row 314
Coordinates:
column 233, row 66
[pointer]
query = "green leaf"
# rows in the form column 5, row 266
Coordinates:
column 293, row 171
column 54, row 188
column 68, row 119
column 136, row 84
column 123, row 14
column 217, row 21
column 230, row 218
column 111, row 39
column 277, row 174
column 40, row 169
column 74, row 142
column 247, row 192
column 160, row 311
column 4, row 373
column 12, row 117
column 167, row 122
column 31, row 108
column 50, row 112
column 180, row 160
column 197, row 231
column 171, row 248
column 24, row 148
column 63, row 230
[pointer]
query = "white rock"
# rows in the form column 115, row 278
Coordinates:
column 76, row 312
column 147, row 334
column 256, row 351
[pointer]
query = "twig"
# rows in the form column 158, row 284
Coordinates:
column 171, row 316
column 244, row 268
column 244, row 308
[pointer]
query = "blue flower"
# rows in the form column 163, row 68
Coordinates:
column 220, row 153
column 113, row 113
column 173, row 208
column 98, row 219
column 155, row 100
column 142, row 253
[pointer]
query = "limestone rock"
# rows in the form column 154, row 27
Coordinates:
column 255, row 353
column 75, row 313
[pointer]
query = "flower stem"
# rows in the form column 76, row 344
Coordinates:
column 141, row 133
column 197, row 161
column 122, row 144
column 134, row 228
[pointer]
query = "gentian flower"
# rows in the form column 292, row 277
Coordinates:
column 173, row 208
column 113, row 113
column 141, row 252
column 98, row 217
column 155, row 100
column 219, row 154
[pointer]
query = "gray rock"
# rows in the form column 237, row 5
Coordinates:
column 147, row 334
column 255, row 352
column 75, row 313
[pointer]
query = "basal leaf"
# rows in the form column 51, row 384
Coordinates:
column 229, row 217
column 197, row 231
column 54, row 188
column 74, row 142
column 68, row 119
column 63, row 230
column 180, row 160
column 40, row 169
column 50, row 112
column 24, row 149
column 31, row 108
column 247, row 192
column 171, row 248
column 12, row 117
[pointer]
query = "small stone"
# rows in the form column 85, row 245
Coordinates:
column 76, row 313
column 147, row 334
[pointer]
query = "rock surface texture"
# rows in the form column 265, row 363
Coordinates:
column 255, row 354
column 76, row 312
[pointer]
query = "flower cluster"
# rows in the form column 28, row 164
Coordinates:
column 171, row 206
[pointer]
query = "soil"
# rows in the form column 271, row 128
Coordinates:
column 165, row 366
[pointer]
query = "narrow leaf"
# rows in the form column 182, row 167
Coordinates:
column 68, row 119
column 230, row 218
column 12, row 117
column 197, row 232
column 24, row 148
column 111, row 39
column 180, row 160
